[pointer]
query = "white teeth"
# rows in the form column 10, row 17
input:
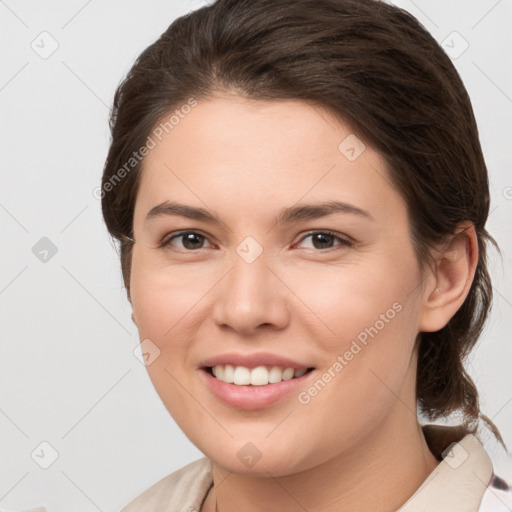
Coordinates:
column 301, row 372
column 259, row 376
column 242, row 376
column 218, row 371
column 229, row 373
column 288, row 374
column 275, row 375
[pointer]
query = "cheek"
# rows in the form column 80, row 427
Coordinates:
column 366, row 376
column 163, row 300
column 162, row 307
column 364, row 328
column 354, row 301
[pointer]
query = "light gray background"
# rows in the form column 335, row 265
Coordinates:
column 68, row 373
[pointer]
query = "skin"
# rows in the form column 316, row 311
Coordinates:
column 246, row 160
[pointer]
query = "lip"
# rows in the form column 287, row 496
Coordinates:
column 250, row 398
column 253, row 360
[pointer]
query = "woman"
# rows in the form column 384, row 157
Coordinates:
column 300, row 198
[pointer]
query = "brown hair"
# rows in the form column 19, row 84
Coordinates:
column 377, row 68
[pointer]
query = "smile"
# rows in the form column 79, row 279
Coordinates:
column 246, row 395
column 259, row 376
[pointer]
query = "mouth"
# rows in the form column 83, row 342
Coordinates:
column 251, row 381
column 258, row 376
column 256, row 388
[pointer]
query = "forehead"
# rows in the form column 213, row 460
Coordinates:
column 250, row 153
column 238, row 126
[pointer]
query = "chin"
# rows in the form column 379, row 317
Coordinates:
column 258, row 459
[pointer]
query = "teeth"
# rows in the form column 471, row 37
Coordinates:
column 242, row 376
column 301, row 372
column 275, row 375
column 259, row 376
column 229, row 374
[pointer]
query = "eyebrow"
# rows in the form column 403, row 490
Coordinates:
column 286, row 216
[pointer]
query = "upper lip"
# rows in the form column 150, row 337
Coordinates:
column 254, row 360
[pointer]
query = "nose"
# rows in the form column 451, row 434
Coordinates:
column 251, row 297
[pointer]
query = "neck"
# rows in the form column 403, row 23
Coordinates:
column 382, row 474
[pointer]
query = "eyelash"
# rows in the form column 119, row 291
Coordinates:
column 166, row 242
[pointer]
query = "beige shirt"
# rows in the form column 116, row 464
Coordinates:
column 457, row 484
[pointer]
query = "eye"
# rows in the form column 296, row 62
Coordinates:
column 190, row 240
column 324, row 239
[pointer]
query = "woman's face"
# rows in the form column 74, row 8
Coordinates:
column 248, row 290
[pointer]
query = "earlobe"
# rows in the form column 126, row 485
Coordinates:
column 455, row 270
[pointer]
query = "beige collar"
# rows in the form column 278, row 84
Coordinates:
column 458, row 482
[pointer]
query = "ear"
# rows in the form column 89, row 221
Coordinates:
column 454, row 272
column 133, row 319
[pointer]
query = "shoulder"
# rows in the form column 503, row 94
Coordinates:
column 183, row 490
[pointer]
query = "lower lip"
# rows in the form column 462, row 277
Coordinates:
column 252, row 397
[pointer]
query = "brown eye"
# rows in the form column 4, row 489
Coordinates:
column 325, row 240
column 190, row 240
